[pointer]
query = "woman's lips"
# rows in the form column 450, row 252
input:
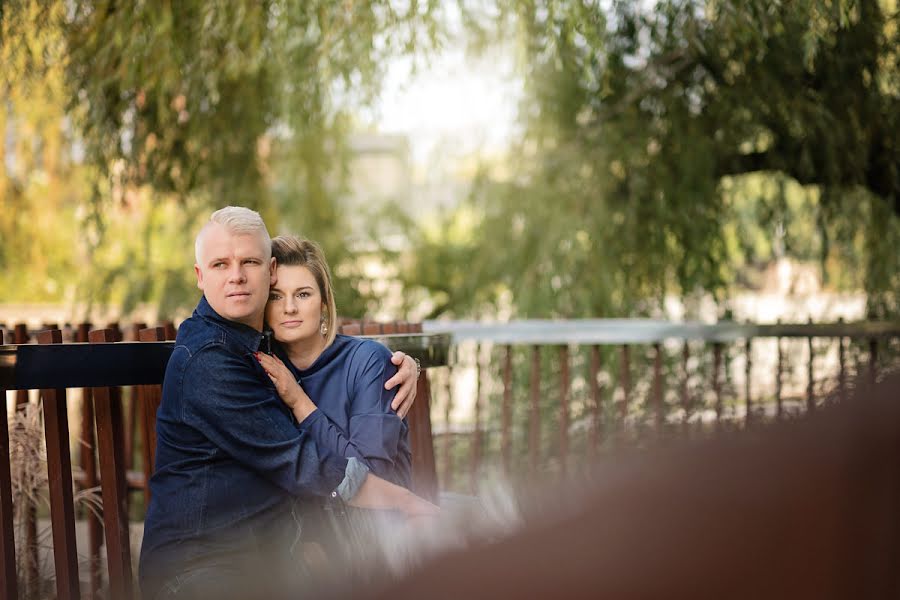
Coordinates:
column 291, row 323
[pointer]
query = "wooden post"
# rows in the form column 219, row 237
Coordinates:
column 596, row 401
column 110, row 444
column 149, row 397
column 87, row 453
column 717, row 385
column 779, row 372
column 873, row 361
column 59, row 471
column 30, row 552
column 685, row 398
column 658, row 388
column 564, row 387
column 842, row 371
column 20, row 336
column 534, row 429
column 9, row 589
column 424, row 478
column 810, row 375
column 447, row 446
column 625, row 377
column 748, row 378
column 506, row 411
column 476, row 433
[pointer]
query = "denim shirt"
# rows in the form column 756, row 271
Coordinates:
column 230, row 456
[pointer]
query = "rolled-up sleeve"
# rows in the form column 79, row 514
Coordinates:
column 226, row 400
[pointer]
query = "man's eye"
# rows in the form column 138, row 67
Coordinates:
column 218, row 265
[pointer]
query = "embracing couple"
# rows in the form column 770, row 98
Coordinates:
column 242, row 448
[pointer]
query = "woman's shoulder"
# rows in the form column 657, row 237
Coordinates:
column 362, row 349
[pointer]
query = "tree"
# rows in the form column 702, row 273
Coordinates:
column 180, row 107
column 643, row 124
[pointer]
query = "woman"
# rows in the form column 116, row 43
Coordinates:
column 346, row 374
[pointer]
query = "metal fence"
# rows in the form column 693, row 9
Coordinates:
column 530, row 397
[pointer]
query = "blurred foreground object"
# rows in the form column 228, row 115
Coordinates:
column 808, row 509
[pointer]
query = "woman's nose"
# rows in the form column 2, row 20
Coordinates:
column 290, row 306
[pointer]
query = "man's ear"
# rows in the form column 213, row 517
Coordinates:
column 199, row 276
column 273, row 277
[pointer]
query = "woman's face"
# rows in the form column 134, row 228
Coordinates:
column 294, row 311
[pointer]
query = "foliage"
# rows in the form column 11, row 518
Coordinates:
column 165, row 111
column 667, row 146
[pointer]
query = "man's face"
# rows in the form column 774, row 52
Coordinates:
column 235, row 274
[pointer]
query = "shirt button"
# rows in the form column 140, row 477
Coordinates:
column 334, row 494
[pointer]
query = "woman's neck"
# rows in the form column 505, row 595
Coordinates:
column 304, row 353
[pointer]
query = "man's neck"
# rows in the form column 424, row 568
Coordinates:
column 304, row 353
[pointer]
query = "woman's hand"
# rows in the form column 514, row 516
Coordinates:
column 406, row 377
column 287, row 387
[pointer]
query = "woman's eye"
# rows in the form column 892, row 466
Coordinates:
column 303, row 295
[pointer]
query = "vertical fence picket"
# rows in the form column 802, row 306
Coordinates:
column 779, row 375
column 506, row 411
column 9, row 589
column 810, row 375
column 716, row 383
column 842, row 370
column 476, row 430
column 447, row 442
column 596, row 401
column 748, row 380
column 149, row 397
column 87, row 459
column 685, row 376
column 873, row 360
column 564, row 387
column 625, row 381
column 30, row 551
column 110, row 446
column 59, row 477
column 534, row 440
column 659, row 416
column 421, row 439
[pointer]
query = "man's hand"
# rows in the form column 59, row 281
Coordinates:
column 406, row 378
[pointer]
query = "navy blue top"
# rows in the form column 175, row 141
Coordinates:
column 230, row 456
column 346, row 382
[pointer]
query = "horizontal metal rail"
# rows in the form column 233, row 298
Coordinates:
column 646, row 331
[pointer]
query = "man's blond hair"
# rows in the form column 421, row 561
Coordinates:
column 237, row 220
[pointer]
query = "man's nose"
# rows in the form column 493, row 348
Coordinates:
column 236, row 274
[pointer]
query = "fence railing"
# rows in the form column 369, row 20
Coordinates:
column 527, row 397
column 100, row 369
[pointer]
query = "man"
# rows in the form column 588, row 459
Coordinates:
column 231, row 458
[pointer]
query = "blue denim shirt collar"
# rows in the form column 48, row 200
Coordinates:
column 244, row 334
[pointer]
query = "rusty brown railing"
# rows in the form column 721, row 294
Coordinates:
column 529, row 397
column 102, row 367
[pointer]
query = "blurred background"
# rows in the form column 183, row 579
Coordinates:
column 480, row 162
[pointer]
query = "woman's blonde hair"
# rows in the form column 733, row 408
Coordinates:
column 292, row 251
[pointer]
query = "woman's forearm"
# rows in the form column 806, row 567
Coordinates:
column 378, row 493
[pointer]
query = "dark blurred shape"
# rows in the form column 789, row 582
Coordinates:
column 807, row 509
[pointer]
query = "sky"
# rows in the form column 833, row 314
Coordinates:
column 452, row 107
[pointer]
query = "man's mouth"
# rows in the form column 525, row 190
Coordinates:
column 238, row 295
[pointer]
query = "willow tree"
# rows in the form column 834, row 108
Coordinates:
column 644, row 126
column 182, row 106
